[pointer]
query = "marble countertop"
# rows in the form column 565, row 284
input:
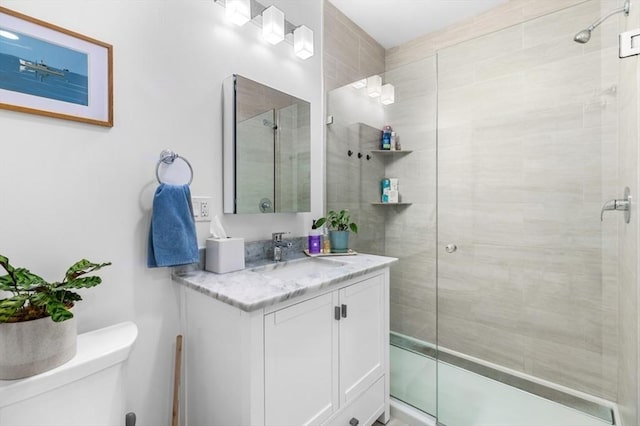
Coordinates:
column 250, row 290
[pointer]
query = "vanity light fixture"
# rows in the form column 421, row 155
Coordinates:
column 359, row 84
column 303, row 42
column 273, row 25
column 374, row 86
column 238, row 11
column 388, row 94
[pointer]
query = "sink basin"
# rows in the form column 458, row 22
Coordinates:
column 301, row 268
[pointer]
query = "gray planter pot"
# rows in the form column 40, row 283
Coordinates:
column 339, row 241
column 32, row 347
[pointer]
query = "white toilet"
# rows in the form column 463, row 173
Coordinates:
column 89, row 390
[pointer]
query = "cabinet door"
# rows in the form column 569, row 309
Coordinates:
column 361, row 337
column 301, row 360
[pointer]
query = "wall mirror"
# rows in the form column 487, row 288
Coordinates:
column 267, row 144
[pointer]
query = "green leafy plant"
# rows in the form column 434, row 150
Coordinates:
column 338, row 221
column 32, row 297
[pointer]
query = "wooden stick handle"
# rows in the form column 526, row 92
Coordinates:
column 176, row 381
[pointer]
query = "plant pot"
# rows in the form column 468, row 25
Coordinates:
column 339, row 241
column 32, row 347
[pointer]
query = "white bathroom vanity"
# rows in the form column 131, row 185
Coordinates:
column 304, row 342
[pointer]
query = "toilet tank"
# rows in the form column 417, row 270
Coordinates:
column 89, row 390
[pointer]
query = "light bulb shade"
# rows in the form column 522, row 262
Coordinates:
column 238, row 11
column 374, row 86
column 303, row 42
column 388, row 94
column 359, row 84
column 273, row 25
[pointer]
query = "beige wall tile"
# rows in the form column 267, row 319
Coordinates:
column 349, row 53
column 505, row 15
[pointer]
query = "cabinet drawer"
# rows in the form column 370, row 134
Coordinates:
column 365, row 409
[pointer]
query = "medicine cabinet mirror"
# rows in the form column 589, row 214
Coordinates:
column 267, row 144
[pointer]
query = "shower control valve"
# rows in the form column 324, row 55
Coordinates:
column 619, row 204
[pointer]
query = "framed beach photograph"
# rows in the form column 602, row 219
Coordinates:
column 51, row 71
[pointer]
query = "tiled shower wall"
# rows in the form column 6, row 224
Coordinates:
column 510, row 13
column 349, row 53
column 527, row 154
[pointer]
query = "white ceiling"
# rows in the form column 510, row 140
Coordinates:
column 394, row 22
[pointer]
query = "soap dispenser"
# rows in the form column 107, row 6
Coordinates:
column 315, row 243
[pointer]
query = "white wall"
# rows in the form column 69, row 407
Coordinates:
column 72, row 190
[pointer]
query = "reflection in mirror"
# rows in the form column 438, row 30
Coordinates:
column 267, row 143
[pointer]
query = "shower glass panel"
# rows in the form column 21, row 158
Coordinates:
column 411, row 235
column 408, row 232
column 292, row 159
column 353, row 172
column 527, row 272
column 256, row 176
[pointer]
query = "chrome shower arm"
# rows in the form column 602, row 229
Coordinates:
column 625, row 9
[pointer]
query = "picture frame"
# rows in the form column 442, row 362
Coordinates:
column 51, row 71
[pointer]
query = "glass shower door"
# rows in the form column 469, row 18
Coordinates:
column 527, row 274
column 411, row 235
column 407, row 231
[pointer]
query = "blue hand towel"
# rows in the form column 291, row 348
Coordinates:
column 172, row 237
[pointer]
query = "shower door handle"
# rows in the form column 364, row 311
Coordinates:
column 619, row 204
column 451, row 248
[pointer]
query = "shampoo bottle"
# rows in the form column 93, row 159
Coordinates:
column 385, row 186
column 386, row 137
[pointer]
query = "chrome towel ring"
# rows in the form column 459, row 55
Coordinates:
column 168, row 157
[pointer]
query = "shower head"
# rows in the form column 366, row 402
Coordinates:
column 269, row 123
column 585, row 35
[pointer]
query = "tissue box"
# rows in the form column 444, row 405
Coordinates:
column 224, row 255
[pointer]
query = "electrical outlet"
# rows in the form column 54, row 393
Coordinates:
column 201, row 208
column 204, row 209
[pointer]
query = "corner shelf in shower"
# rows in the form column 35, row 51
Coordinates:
column 390, row 204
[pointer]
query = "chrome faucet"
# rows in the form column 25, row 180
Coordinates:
column 278, row 244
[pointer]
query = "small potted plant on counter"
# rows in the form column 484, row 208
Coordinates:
column 339, row 224
column 37, row 328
